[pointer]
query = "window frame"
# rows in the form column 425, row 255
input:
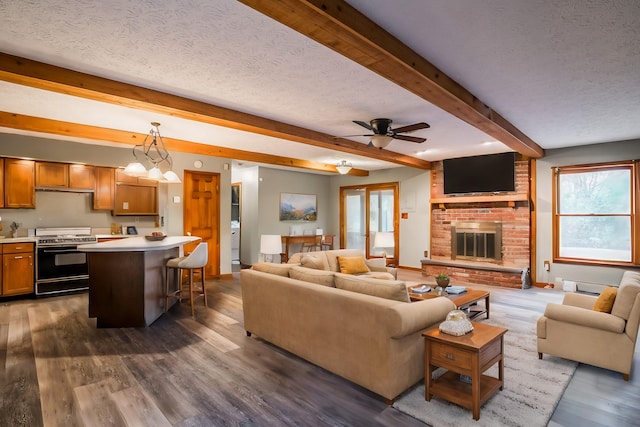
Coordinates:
column 632, row 166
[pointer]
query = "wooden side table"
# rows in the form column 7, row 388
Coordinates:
column 470, row 355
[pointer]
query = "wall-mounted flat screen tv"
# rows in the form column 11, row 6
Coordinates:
column 492, row 173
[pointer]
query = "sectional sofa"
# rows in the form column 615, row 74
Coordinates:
column 361, row 327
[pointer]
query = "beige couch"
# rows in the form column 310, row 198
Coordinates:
column 573, row 330
column 373, row 341
column 329, row 260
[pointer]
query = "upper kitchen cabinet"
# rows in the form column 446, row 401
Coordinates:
column 104, row 186
column 135, row 196
column 81, row 177
column 52, row 175
column 63, row 175
column 19, row 183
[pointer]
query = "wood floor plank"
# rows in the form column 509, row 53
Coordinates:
column 216, row 340
column 138, row 409
column 95, row 407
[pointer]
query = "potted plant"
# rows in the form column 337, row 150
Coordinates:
column 442, row 280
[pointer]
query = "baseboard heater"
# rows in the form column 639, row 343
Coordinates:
column 583, row 287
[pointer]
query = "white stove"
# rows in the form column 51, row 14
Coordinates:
column 67, row 236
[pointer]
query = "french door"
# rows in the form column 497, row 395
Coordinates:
column 366, row 211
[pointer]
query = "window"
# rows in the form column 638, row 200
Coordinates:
column 594, row 214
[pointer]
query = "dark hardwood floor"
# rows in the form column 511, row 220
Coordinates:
column 58, row 369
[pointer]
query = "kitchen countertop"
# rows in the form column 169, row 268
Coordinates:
column 18, row 240
column 116, row 236
column 137, row 244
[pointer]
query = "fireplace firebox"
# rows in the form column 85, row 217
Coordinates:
column 477, row 241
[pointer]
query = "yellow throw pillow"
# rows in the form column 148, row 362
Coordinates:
column 604, row 303
column 352, row 265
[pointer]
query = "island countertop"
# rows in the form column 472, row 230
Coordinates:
column 137, row 244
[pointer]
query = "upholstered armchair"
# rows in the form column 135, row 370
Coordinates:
column 574, row 330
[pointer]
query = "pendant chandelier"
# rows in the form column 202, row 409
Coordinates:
column 155, row 155
column 343, row 167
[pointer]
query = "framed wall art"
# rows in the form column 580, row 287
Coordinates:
column 298, row 207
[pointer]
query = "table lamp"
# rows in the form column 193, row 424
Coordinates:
column 270, row 244
column 384, row 240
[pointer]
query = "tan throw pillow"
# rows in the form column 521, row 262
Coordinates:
column 310, row 261
column 605, row 301
column 319, row 277
column 388, row 289
column 352, row 265
column 271, row 268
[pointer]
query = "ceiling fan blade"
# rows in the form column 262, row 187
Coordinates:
column 351, row 136
column 411, row 128
column 410, row 138
column 364, row 125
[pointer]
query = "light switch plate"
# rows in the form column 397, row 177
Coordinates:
column 176, row 199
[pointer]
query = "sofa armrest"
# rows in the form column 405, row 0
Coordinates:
column 418, row 316
column 579, row 300
column 584, row 317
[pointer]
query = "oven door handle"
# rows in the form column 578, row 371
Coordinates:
column 58, row 251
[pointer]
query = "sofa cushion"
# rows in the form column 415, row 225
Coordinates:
column 312, row 261
column 604, row 303
column 352, row 265
column 627, row 291
column 319, row 277
column 383, row 275
column 388, row 289
column 269, row 267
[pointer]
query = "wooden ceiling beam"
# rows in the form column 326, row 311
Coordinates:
column 61, row 80
column 339, row 26
column 56, row 127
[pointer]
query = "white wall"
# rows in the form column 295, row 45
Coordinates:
column 597, row 153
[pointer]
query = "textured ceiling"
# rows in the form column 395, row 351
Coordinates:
column 564, row 73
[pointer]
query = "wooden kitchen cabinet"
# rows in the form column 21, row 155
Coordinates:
column 1, row 184
column 19, row 183
column 122, row 178
column 104, row 187
column 136, row 200
column 81, row 177
column 17, row 268
column 49, row 174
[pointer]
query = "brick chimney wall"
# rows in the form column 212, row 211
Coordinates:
column 515, row 219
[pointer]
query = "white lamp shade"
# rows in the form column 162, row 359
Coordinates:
column 381, row 141
column 135, row 169
column 384, row 239
column 171, row 177
column 270, row 244
column 343, row 167
column 155, row 173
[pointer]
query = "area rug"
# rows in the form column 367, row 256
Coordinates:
column 532, row 387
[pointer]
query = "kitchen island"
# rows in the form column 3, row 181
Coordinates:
column 126, row 279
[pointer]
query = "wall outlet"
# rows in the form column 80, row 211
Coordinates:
column 547, row 266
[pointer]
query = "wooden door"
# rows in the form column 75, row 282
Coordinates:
column 103, row 196
column 202, row 214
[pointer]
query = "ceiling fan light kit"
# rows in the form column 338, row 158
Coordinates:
column 343, row 167
column 383, row 134
column 381, row 141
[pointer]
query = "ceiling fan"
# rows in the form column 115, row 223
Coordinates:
column 383, row 134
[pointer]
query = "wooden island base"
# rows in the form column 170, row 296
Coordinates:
column 126, row 279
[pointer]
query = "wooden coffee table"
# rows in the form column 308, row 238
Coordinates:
column 464, row 301
column 469, row 355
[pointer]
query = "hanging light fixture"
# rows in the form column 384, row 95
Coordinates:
column 343, row 167
column 155, row 154
column 381, row 141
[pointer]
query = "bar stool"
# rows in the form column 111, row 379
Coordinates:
column 196, row 260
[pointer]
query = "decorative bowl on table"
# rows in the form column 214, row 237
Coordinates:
column 155, row 237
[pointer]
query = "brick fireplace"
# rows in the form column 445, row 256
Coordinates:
column 481, row 239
